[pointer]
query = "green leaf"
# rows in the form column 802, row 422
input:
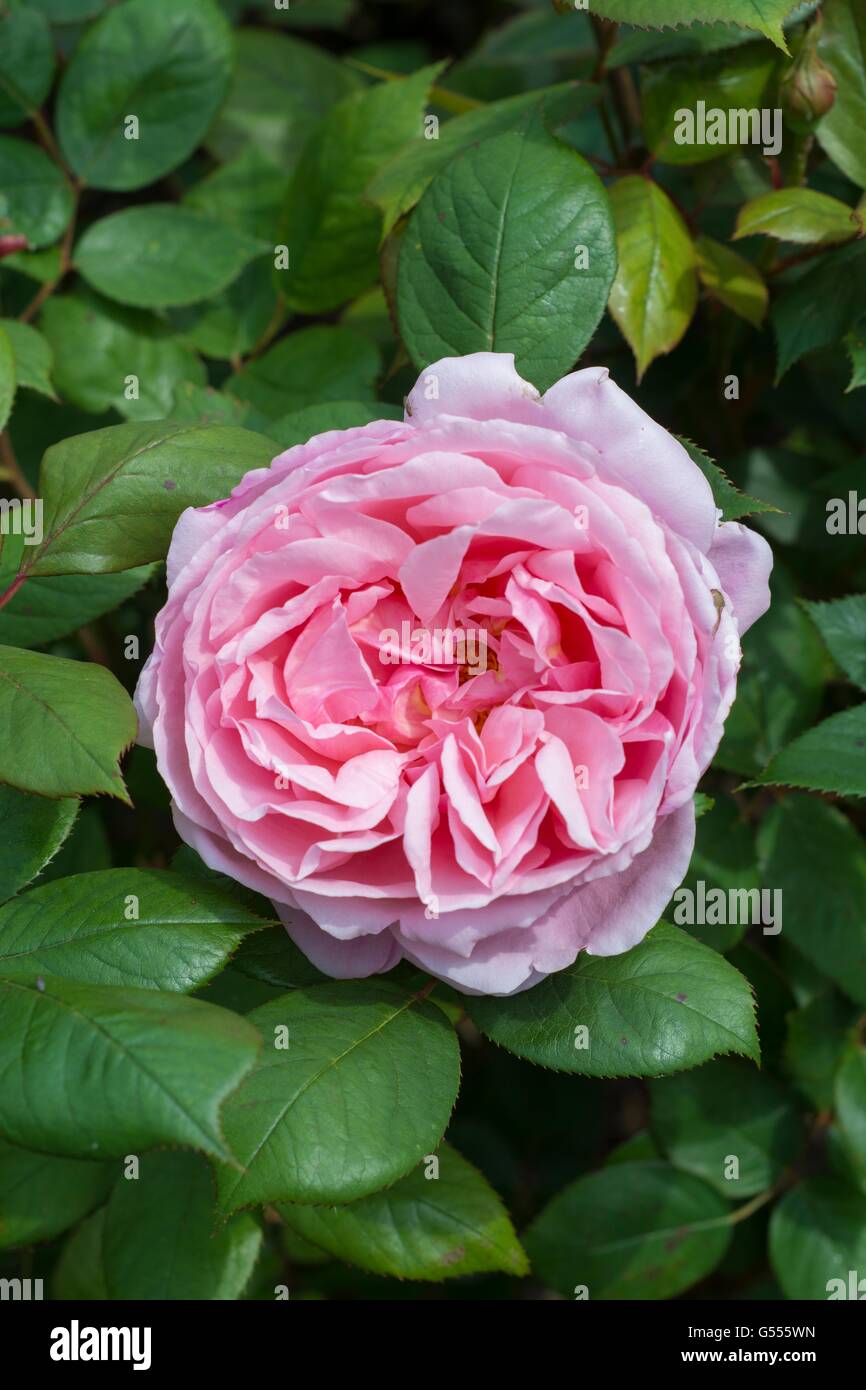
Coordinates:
column 842, row 624
column 280, row 89
column 397, row 187
column 800, row 215
column 724, row 857
column 272, row 958
column 850, row 1097
column 34, row 828
column 156, row 1239
column 7, row 377
column 656, row 287
column 44, row 609
column 511, row 249
column 429, row 1228
column 732, row 81
column 35, row 200
column 69, row 11
column 41, row 1196
column 112, row 497
column 818, row 1235
column 727, row 497
column 732, row 280
column 763, row 16
column 96, row 1072
column 230, row 324
column 247, row 194
column 121, row 344
column 65, row 724
column 332, row 234
column 818, row 1034
column 803, row 842
column 842, row 46
column 727, row 1110
column 780, row 683
column 33, row 356
column 365, row 1061
column 142, row 927
column 160, row 255
column 78, row 1272
column 668, row 1003
column 647, row 1232
column 307, row 368
column 26, row 64
column 822, row 305
column 300, row 425
column 831, row 757
column 166, row 62
column 855, row 342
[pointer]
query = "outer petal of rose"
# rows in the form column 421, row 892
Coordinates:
column 610, row 915
column 743, row 561
column 640, row 454
column 481, row 386
column 343, row 960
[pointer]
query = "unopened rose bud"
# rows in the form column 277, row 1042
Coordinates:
column 808, row 87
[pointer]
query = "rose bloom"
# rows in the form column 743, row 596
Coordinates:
column 393, row 797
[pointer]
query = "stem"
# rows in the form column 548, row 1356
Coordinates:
column 743, row 1213
column 12, row 590
column 455, row 102
column 11, row 469
column 46, row 290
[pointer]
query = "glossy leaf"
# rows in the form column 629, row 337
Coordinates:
column 166, row 62
column 64, row 725
column 159, row 255
column 360, row 1059
column 35, row 200
column 649, row 1232
column 817, row 1236
column 141, row 927
column 41, row 1196
column 842, row 46
column 800, row 215
column 732, row 280
column 133, row 363
column 424, row 1227
column 511, row 249
column 668, row 1003
column 97, row 1072
column 804, row 841
column 34, row 828
column 112, row 496
column 656, row 287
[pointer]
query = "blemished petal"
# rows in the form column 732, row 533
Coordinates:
column 481, row 386
column 743, row 561
column 642, row 456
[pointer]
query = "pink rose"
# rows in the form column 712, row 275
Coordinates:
column 444, row 689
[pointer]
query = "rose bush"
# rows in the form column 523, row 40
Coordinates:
column 485, row 824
